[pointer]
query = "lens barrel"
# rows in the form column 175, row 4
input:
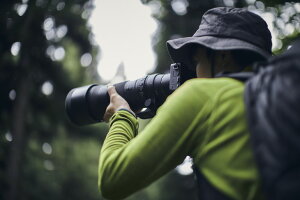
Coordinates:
column 87, row 104
column 77, row 105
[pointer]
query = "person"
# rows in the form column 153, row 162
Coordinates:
column 204, row 118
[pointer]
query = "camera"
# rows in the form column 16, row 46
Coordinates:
column 86, row 105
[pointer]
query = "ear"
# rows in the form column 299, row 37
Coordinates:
column 228, row 61
column 224, row 55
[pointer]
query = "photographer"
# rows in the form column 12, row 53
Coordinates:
column 204, row 118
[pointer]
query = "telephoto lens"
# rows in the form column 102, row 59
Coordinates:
column 86, row 105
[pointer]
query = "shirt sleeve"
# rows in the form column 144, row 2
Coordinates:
column 129, row 162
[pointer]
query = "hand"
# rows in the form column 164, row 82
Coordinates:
column 116, row 102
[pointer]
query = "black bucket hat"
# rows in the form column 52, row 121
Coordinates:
column 224, row 28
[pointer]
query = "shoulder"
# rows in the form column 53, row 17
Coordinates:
column 223, row 82
column 211, row 87
column 199, row 92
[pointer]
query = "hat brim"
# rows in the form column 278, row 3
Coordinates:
column 179, row 49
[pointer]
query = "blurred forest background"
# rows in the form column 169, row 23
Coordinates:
column 47, row 48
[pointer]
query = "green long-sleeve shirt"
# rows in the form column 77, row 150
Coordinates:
column 204, row 119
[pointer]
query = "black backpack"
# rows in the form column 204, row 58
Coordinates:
column 272, row 99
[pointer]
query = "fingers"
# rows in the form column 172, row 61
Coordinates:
column 116, row 102
column 111, row 90
column 108, row 113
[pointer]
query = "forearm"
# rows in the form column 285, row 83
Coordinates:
column 128, row 163
column 123, row 128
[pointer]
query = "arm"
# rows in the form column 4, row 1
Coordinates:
column 129, row 162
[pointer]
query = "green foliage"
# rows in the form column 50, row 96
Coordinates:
column 51, row 37
column 41, row 46
column 181, row 18
column 287, row 41
column 68, row 172
column 276, row 2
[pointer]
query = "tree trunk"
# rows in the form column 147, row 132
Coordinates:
column 17, row 145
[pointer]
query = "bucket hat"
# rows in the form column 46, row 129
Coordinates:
column 224, row 28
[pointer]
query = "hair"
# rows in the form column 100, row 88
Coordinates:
column 245, row 58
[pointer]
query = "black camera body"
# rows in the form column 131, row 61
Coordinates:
column 87, row 104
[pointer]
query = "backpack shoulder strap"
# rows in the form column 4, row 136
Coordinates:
column 241, row 76
column 205, row 190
